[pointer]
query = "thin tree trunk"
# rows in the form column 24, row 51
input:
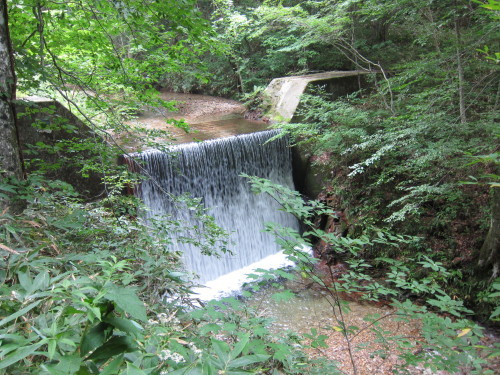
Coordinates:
column 10, row 157
column 461, row 79
column 430, row 17
column 237, row 71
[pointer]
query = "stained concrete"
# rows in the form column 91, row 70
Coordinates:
column 283, row 94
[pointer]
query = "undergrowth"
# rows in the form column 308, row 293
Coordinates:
column 413, row 172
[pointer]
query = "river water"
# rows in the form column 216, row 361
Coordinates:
column 206, row 118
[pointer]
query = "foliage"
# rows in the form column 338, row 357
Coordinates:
column 84, row 286
column 447, row 340
column 83, row 292
column 87, row 41
column 104, row 57
column 57, row 294
column 262, row 40
column 398, row 154
column 76, row 277
column 490, row 295
column 237, row 323
column 406, row 171
column 407, row 168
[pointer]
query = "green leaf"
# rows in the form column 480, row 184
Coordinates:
column 221, row 349
column 240, row 345
column 492, row 5
column 19, row 354
column 495, row 313
column 41, row 282
column 248, row 360
column 134, row 370
column 188, row 370
column 83, row 371
column 52, row 348
column 24, row 279
column 125, row 325
column 114, row 346
column 94, row 338
column 113, row 367
column 70, row 363
column 127, row 300
column 7, row 188
column 20, row 313
column 210, row 327
column 70, row 310
column 67, row 342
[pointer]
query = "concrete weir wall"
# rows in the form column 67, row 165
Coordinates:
column 54, row 140
column 283, row 96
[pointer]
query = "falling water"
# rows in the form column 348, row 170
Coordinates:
column 211, row 171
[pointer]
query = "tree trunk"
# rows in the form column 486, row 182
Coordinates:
column 489, row 256
column 10, row 160
column 461, row 79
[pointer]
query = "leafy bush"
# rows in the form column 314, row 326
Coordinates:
column 87, row 289
column 446, row 341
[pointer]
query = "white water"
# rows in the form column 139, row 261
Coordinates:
column 231, row 283
column 211, row 171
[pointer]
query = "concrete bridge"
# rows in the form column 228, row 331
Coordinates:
column 283, row 94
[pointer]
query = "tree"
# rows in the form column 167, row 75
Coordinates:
column 101, row 58
column 490, row 251
column 103, row 55
column 10, row 161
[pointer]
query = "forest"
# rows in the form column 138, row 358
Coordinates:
column 408, row 164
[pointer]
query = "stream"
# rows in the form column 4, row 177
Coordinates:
column 307, row 308
column 207, row 118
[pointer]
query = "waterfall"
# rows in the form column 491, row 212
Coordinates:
column 211, row 171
